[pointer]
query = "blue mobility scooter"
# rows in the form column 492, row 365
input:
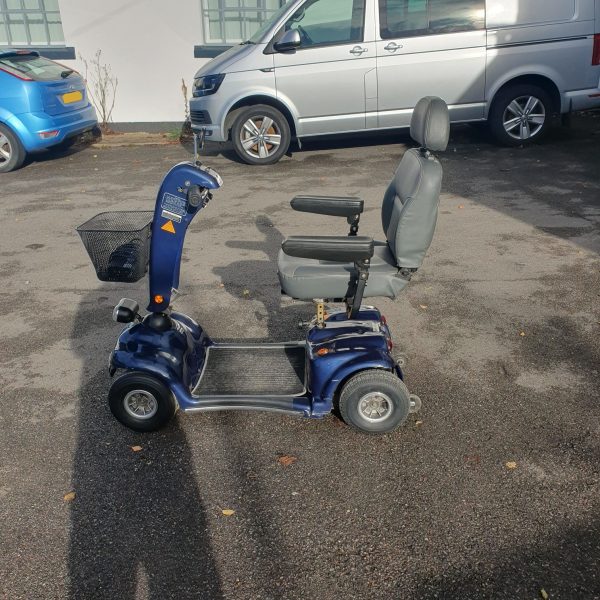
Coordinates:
column 168, row 362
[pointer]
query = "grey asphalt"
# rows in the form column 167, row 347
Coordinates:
column 501, row 326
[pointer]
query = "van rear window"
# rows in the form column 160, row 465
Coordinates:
column 34, row 67
column 406, row 18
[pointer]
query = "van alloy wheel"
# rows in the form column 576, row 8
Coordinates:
column 521, row 114
column 260, row 136
column 524, row 117
column 5, row 149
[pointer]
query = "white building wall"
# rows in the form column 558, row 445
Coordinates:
column 149, row 45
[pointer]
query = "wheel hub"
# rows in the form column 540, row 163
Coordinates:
column 524, row 117
column 375, row 407
column 5, row 149
column 140, row 404
column 260, row 137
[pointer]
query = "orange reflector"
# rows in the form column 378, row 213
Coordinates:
column 168, row 226
column 158, row 299
column 322, row 351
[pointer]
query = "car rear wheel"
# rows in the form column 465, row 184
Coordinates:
column 260, row 135
column 520, row 115
column 12, row 153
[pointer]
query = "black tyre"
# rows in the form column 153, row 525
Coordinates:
column 141, row 402
column 12, row 153
column 520, row 114
column 260, row 135
column 375, row 402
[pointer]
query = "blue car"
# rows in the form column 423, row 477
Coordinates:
column 42, row 105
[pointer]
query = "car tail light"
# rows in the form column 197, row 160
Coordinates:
column 596, row 51
column 46, row 135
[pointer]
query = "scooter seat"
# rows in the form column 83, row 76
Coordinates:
column 305, row 278
column 408, row 215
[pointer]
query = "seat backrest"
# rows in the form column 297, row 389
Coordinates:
column 410, row 205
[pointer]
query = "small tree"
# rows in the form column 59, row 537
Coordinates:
column 102, row 86
column 186, row 130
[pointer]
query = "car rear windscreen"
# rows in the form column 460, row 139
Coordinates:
column 34, row 67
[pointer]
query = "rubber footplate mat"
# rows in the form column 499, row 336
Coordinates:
column 253, row 371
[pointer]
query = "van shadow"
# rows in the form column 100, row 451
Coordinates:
column 138, row 524
column 334, row 142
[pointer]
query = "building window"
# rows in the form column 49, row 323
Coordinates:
column 30, row 23
column 234, row 21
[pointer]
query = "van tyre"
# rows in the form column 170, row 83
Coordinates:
column 520, row 114
column 12, row 153
column 260, row 135
column 375, row 402
column 141, row 402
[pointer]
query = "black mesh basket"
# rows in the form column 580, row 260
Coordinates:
column 118, row 244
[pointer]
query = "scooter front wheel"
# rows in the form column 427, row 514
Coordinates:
column 375, row 402
column 141, row 402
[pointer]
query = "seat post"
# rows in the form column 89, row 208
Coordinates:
column 362, row 275
column 320, row 308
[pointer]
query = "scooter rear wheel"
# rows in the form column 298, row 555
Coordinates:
column 141, row 402
column 375, row 402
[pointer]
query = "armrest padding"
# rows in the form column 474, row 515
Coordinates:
column 328, row 205
column 333, row 248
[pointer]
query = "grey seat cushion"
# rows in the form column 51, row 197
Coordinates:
column 305, row 279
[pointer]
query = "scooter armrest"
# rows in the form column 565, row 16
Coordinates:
column 333, row 248
column 329, row 205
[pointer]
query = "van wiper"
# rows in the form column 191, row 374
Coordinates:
column 248, row 43
column 65, row 74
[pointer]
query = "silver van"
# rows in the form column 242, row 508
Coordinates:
column 322, row 67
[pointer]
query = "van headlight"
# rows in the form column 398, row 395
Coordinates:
column 207, row 85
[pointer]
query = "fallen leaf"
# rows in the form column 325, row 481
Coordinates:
column 418, row 423
column 544, row 594
column 460, row 206
column 423, row 306
column 227, row 512
column 246, row 293
column 286, row 460
column 511, row 465
column 69, row 497
column 136, row 448
column 522, row 334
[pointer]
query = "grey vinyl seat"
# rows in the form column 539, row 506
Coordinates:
column 309, row 267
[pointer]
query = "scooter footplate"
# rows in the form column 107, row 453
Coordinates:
column 253, row 371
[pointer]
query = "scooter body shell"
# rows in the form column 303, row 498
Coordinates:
column 333, row 353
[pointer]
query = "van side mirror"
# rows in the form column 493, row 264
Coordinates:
column 289, row 41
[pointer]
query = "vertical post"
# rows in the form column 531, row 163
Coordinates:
column 320, row 305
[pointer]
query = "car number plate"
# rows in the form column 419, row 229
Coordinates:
column 72, row 97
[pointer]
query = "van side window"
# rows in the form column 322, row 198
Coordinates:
column 329, row 22
column 406, row 18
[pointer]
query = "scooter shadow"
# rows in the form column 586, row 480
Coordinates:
column 138, row 522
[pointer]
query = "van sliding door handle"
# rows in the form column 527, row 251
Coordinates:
column 357, row 50
column 392, row 47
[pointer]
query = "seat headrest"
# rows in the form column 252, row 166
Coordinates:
column 430, row 124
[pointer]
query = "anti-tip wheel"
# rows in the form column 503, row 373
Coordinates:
column 141, row 402
column 375, row 402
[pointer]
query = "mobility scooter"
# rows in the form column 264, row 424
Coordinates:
column 167, row 361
